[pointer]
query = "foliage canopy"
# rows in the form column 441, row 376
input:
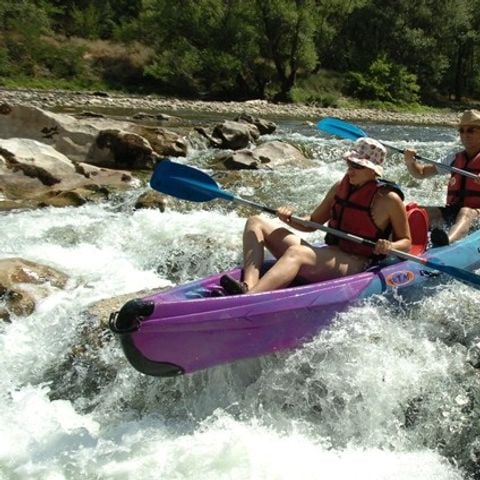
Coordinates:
column 399, row 51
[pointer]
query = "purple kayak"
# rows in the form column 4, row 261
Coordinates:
column 189, row 327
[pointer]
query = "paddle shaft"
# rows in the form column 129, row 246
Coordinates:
column 338, row 127
column 470, row 278
column 437, row 164
column 332, row 231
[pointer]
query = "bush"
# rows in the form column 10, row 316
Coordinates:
column 384, row 81
column 59, row 60
column 321, row 89
column 314, row 98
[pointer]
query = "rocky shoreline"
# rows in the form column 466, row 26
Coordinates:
column 61, row 100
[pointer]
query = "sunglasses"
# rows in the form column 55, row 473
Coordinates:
column 467, row 130
column 355, row 166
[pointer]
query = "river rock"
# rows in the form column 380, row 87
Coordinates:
column 231, row 135
column 63, row 99
column 35, row 159
column 23, row 283
column 267, row 155
column 33, row 174
column 151, row 199
column 164, row 142
column 74, row 137
column 66, row 134
column 264, row 126
column 119, row 149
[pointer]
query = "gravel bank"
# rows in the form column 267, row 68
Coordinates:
column 59, row 100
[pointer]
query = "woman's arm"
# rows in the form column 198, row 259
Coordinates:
column 397, row 216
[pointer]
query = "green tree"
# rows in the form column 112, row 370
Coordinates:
column 86, row 22
column 233, row 48
column 287, row 35
column 459, row 39
column 22, row 22
column 24, row 17
column 92, row 18
column 331, row 16
column 433, row 40
column 203, row 47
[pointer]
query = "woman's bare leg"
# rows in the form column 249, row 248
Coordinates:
column 311, row 263
column 465, row 218
column 259, row 234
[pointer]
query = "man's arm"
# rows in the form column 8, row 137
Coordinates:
column 418, row 170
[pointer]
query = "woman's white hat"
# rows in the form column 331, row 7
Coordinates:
column 368, row 153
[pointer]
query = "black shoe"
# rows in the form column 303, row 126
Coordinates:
column 232, row 286
column 217, row 292
column 439, row 238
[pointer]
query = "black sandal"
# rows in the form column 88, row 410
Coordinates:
column 232, row 286
column 439, row 238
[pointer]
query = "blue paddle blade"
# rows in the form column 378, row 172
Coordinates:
column 187, row 183
column 470, row 278
column 338, row 127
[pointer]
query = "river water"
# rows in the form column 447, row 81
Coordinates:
column 387, row 392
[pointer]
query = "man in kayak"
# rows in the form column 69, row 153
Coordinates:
column 463, row 196
column 359, row 204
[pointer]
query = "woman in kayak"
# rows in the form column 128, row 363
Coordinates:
column 463, row 195
column 360, row 204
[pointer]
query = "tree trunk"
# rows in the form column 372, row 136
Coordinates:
column 459, row 80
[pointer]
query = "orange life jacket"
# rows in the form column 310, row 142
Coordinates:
column 462, row 190
column 351, row 213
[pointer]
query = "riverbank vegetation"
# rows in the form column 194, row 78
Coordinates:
column 393, row 53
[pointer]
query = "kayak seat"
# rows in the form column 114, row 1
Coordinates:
column 418, row 222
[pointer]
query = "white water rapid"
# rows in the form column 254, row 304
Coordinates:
column 387, row 393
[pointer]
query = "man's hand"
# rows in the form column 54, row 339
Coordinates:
column 409, row 155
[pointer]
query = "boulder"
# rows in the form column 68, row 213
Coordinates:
column 119, row 149
column 35, row 159
column 164, row 142
column 66, row 134
column 23, row 283
column 264, row 126
column 151, row 199
column 74, row 136
column 267, row 155
column 33, row 174
column 231, row 135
